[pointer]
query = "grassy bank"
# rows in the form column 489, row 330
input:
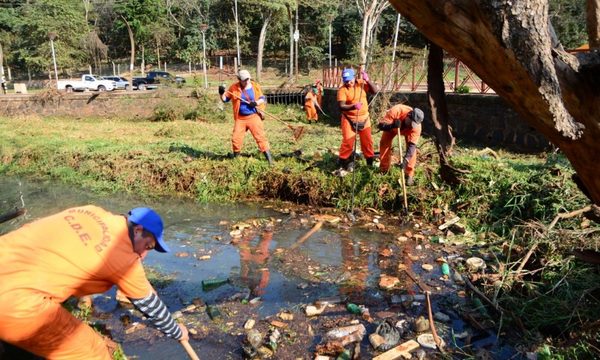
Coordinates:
column 506, row 199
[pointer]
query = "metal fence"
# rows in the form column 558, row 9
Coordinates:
column 411, row 75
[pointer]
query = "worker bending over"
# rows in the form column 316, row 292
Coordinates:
column 408, row 120
column 79, row 251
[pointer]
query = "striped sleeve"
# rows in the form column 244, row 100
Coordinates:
column 158, row 314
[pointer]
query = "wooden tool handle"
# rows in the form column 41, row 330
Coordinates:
column 188, row 348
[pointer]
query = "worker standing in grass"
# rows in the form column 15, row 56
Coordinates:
column 79, row 251
column 319, row 86
column 311, row 104
column 247, row 99
column 352, row 101
column 408, row 120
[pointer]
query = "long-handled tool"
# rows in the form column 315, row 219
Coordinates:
column 297, row 131
column 351, row 214
column 402, row 182
column 188, row 348
column 323, row 112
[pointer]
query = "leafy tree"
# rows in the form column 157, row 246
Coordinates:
column 36, row 20
column 568, row 18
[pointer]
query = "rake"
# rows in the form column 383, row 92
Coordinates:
column 297, row 131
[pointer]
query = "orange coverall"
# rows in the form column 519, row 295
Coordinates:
column 349, row 96
column 252, row 263
column 319, row 93
column 411, row 135
column 309, row 106
column 77, row 252
column 243, row 123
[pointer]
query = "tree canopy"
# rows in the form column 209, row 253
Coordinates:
column 93, row 31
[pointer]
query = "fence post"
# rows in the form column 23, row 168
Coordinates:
column 456, row 70
column 412, row 82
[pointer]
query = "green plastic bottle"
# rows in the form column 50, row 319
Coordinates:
column 445, row 269
column 353, row 308
column 213, row 312
column 210, row 284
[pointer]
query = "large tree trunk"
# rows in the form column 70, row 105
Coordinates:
column 444, row 140
column 261, row 44
column 437, row 100
column 508, row 44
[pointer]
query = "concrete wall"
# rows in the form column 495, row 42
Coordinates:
column 137, row 105
column 484, row 120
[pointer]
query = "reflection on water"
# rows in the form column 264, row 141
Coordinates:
column 254, row 272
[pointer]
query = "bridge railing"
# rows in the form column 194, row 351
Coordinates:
column 411, row 75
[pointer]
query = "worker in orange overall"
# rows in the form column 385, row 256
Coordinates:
column 408, row 120
column 79, row 251
column 352, row 101
column 311, row 104
column 319, row 86
column 248, row 101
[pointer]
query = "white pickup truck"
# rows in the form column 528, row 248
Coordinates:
column 87, row 82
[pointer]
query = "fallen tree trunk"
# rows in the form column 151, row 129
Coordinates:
column 509, row 46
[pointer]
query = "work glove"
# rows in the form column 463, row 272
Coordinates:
column 221, row 89
column 358, row 106
column 397, row 123
column 365, row 76
column 252, row 104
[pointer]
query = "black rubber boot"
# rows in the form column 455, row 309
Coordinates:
column 349, row 165
column 268, row 157
column 370, row 161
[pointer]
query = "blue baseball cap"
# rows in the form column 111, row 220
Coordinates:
column 347, row 75
column 152, row 222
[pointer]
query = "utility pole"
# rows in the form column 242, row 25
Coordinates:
column 237, row 34
column 203, row 28
column 330, row 35
column 395, row 39
column 1, row 61
column 52, row 36
column 296, row 40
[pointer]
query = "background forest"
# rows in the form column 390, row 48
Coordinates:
column 95, row 33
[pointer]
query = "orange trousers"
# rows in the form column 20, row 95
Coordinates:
column 311, row 113
column 348, row 137
column 255, row 125
column 385, row 154
column 33, row 322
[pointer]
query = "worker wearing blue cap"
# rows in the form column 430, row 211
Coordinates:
column 352, row 101
column 77, row 252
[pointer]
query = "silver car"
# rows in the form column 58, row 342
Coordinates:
column 121, row 82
